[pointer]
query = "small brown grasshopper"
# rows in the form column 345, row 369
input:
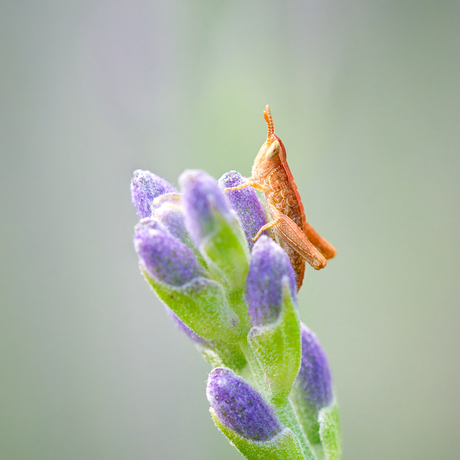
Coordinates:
column 272, row 176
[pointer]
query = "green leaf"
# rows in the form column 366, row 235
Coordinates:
column 283, row 446
column 329, row 431
column 307, row 414
column 202, row 305
column 226, row 252
column 221, row 353
column 278, row 348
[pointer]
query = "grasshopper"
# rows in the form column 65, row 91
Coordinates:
column 272, row 176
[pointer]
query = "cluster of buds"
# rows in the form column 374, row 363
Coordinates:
column 270, row 389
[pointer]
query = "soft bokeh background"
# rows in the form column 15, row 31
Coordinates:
column 365, row 96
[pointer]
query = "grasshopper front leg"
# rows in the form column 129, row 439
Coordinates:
column 249, row 183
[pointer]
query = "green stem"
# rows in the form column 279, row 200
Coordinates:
column 283, row 407
column 288, row 418
column 255, row 368
column 237, row 303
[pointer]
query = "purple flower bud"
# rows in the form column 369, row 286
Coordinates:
column 145, row 187
column 201, row 196
column 245, row 203
column 269, row 270
column 314, row 378
column 163, row 256
column 168, row 210
column 172, row 218
column 240, row 407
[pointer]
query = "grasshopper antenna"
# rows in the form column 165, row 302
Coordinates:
column 270, row 125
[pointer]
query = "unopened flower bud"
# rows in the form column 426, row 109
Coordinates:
column 145, row 187
column 312, row 388
column 245, row 203
column 240, row 407
column 163, row 256
column 171, row 216
column 314, row 375
column 214, row 228
column 168, row 210
column 171, row 268
column 202, row 199
column 269, row 271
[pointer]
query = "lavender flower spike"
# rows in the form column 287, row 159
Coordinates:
column 268, row 271
column 240, row 407
column 313, row 387
column 245, row 203
column 163, row 256
column 145, row 187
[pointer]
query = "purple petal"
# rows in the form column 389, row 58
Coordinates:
column 245, row 203
column 145, row 187
column 240, row 407
column 201, row 197
column 314, row 378
column 162, row 255
column 264, row 286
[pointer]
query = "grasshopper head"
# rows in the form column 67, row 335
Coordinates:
column 271, row 154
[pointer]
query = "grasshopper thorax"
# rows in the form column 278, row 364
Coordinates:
column 270, row 156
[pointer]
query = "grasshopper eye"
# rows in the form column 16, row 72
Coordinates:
column 273, row 151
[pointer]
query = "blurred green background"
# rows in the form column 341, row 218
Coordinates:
column 365, row 96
